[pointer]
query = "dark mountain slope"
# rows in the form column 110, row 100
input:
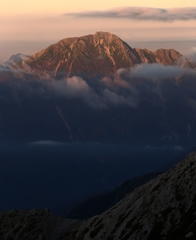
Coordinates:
column 164, row 209
column 31, row 225
column 98, row 204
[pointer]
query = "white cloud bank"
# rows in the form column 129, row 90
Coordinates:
column 156, row 70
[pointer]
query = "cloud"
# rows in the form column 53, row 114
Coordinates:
column 149, row 147
column 141, row 14
column 46, row 143
column 156, row 70
column 176, row 148
column 192, row 55
column 114, row 98
column 75, row 87
column 101, row 94
column 116, row 82
column 3, row 68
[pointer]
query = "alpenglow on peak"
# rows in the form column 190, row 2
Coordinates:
column 93, row 56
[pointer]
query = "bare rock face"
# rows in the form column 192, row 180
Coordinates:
column 99, row 204
column 87, row 56
column 31, row 225
column 162, row 56
column 93, row 56
column 164, row 208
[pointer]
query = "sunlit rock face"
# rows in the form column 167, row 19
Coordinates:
column 162, row 56
column 93, row 56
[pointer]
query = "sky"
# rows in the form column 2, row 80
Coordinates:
column 29, row 26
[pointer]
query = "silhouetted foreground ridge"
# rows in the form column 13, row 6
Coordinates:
column 164, row 209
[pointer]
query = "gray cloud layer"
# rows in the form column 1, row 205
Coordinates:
column 3, row 68
column 176, row 148
column 77, row 87
column 141, row 13
column 105, row 94
column 47, row 143
column 109, row 94
column 192, row 55
column 155, row 70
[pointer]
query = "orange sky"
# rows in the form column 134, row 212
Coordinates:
column 12, row 7
column 43, row 21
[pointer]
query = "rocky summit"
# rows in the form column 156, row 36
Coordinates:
column 162, row 209
column 93, row 56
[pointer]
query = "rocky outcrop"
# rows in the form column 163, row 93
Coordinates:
column 164, row 208
column 162, row 56
column 31, row 225
column 99, row 204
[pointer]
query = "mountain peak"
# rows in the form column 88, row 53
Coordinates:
column 93, row 56
column 105, row 34
column 90, row 56
column 101, row 33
